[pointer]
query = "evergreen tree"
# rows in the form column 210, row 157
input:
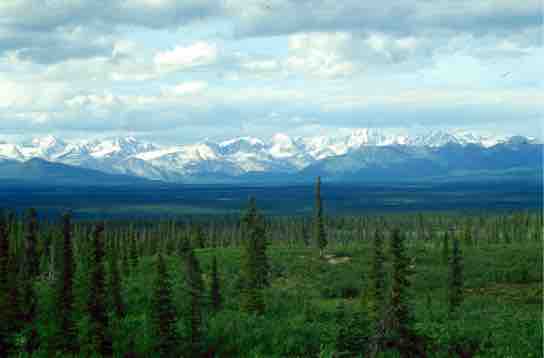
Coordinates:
column 215, row 290
column 320, row 236
column 115, row 284
column 446, row 247
column 455, row 278
column 163, row 314
column 253, row 270
column 67, row 337
column 133, row 253
column 26, row 280
column 197, row 237
column 401, row 319
column 32, row 262
column 6, row 309
column 97, row 296
column 377, row 292
column 196, row 287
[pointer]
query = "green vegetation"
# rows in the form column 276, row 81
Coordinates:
column 256, row 286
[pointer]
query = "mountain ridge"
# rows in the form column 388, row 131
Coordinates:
column 358, row 153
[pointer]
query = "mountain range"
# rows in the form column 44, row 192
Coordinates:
column 359, row 155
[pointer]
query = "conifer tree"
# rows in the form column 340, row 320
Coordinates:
column 377, row 292
column 26, row 280
column 401, row 319
column 6, row 310
column 197, row 237
column 97, row 295
column 115, row 284
column 216, row 298
column 196, row 287
column 163, row 314
column 446, row 247
column 32, row 262
column 67, row 337
column 253, row 270
column 133, row 252
column 455, row 286
column 320, row 236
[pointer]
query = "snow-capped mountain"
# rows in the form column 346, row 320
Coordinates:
column 281, row 154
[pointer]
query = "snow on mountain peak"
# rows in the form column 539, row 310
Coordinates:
column 282, row 146
column 10, row 151
column 281, row 153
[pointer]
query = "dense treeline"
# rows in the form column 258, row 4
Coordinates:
column 379, row 286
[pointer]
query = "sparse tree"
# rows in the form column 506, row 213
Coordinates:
column 97, row 296
column 320, row 236
column 455, row 278
column 401, row 315
column 253, row 269
column 163, row 315
column 67, row 336
column 196, row 288
column 216, row 299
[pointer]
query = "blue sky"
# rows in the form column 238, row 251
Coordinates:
column 181, row 71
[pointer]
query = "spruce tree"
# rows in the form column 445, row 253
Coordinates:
column 6, row 311
column 216, row 299
column 163, row 314
column 320, row 236
column 401, row 319
column 115, row 284
column 253, row 270
column 446, row 248
column 32, row 262
column 67, row 336
column 455, row 297
column 133, row 253
column 196, row 288
column 377, row 293
column 197, row 237
column 97, row 296
column 26, row 280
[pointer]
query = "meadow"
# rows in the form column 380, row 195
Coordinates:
column 435, row 284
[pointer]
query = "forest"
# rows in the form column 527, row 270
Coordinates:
column 427, row 284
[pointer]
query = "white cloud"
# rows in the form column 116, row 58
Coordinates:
column 197, row 54
column 320, row 54
column 188, row 88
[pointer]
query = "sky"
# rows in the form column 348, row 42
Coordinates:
column 178, row 71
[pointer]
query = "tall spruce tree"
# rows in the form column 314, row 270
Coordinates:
column 6, row 311
column 133, row 252
column 215, row 290
column 320, row 236
column 115, row 283
column 28, row 274
column 196, row 288
column 67, row 335
column 446, row 247
column 455, row 286
column 377, row 294
column 253, row 266
column 401, row 319
column 97, row 296
column 163, row 314
column 32, row 261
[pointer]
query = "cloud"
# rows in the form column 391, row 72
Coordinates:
column 187, row 88
column 400, row 17
column 162, row 66
column 180, row 58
